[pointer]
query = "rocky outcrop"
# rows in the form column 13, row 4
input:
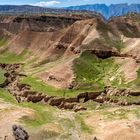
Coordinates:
column 105, row 53
column 134, row 93
column 109, row 93
column 88, row 96
column 19, row 133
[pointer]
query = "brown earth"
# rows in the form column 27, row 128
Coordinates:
column 11, row 115
column 56, row 41
column 61, row 39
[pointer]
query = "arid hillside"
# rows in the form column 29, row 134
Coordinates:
column 52, row 44
column 70, row 77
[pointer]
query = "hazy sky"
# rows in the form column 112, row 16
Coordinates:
column 63, row 3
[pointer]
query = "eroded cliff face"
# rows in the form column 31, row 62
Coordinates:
column 16, row 24
column 52, row 43
column 128, row 25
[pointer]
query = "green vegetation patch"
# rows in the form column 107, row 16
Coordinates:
column 40, row 86
column 9, row 57
column 6, row 96
column 3, row 41
column 137, row 81
column 42, row 115
column 83, row 126
column 2, row 77
column 121, row 113
column 92, row 72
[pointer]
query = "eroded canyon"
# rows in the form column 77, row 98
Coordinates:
column 70, row 76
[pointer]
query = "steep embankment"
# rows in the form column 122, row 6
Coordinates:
column 109, row 11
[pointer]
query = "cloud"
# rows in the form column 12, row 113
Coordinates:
column 46, row 3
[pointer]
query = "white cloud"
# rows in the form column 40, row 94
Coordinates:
column 46, row 3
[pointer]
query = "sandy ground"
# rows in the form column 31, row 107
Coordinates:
column 128, row 67
column 132, row 46
column 102, row 127
column 62, row 72
column 115, row 129
column 9, row 115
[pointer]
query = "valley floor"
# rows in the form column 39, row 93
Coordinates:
column 104, row 121
column 45, row 122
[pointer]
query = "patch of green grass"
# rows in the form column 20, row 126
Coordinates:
column 117, row 114
column 9, row 57
column 3, row 41
column 136, row 112
column 42, row 115
column 92, row 72
column 119, row 45
column 68, row 123
column 2, row 77
column 84, row 128
column 6, row 96
column 40, row 86
column 121, row 113
column 137, row 81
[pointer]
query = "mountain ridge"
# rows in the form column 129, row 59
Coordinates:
column 30, row 9
column 108, row 11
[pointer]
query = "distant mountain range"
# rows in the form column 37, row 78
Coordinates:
column 109, row 11
column 21, row 9
column 106, row 11
column 29, row 9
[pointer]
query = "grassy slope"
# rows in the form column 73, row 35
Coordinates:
column 42, row 116
column 9, row 57
column 40, row 86
column 92, row 72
